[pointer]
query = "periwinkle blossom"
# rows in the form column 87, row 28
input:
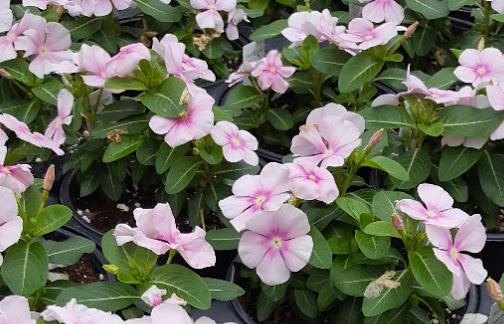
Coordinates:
column 15, row 309
column 495, row 95
column 366, row 35
column 6, row 16
column 97, row 8
column 480, row 67
column 310, row 182
column 329, row 143
column 180, row 64
column 11, row 225
column 93, row 60
column 154, row 297
column 210, row 18
column 55, row 129
column 436, row 210
column 24, row 133
column 236, row 144
column 156, row 230
column 8, row 41
column 241, row 74
column 498, row 5
column 276, row 243
column 255, row 193
column 470, row 237
column 331, row 110
column 126, row 60
column 271, row 73
column 74, row 313
column 48, row 47
column 383, row 10
column 195, row 123
column 14, row 177
column 234, row 18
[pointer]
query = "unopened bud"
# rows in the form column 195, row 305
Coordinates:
column 494, row 289
column 49, row 178
column 397, row 221
column 4, row 74
column 411, row 29
column 111, row 268
column 481, row 44
column 376, row 138
column 60, row 10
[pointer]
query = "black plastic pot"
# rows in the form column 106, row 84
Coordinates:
column 97, row 257
column 492, row 256
column 473, row 300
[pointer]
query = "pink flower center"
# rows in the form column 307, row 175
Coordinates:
column 213, row 8
column 42, row 50
column 235, row 141
column 328, row 152
column 276, row 242
column 260, row 200
column 11, row 37
column 453, row 252
column 5, row 170
column 482, row 69
column 272, row 69
column 312, row 176
column 369, row 37
column 430, row 213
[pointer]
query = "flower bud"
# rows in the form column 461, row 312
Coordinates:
column 411, row 29
column 397, row 222
column 49, row 178
column 481, row 44
column 4, row 74
column 376, row 138
column 111, row 268
column 494, row 289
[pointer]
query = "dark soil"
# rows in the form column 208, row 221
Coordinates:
column 105, row 214
column 83, row 271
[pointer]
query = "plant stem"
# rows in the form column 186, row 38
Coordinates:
column 202, row 217
column 170, row 256
column 486, row 18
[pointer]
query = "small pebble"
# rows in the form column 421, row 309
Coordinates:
column 80, row 212
column 123, row 207
column 38, row 160
column 87, row 211
column 85, row 218
column 137, row 205
column 101, row 276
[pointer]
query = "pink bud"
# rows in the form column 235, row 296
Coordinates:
column 494, row 289
column 397, row 222
column 4, row 74
column 49, row 178
column 376, row 138
column 411, row 29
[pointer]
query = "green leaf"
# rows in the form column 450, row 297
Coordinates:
column 265, row 307
column 330, row 60
column 166, row 155
column 51, row 218
column 125, row 83
column 430, row 9
column 111, row 185
column 181, row 174
column 276, row 293
column 434, row 129
column 458, row 189
column 393, row 316
column 340, row 237
column 352, row 207
column 491, row 176
column 24, row 110
column 127, row 145
column 387, row 117
column 358, row 71
column 321, row 255
column 223, row 239
column 18, row 69
column 48, row 91
column 184, row 282
column 456, row 161
column 280, row 118
column 223, row 290
column 128, row 126
column 107, row 36
column 159, row 10
column 166, row 100
column 457, row 4
column 467, row 121
column 430, row 273
column 69, row 251
column 83, row 27
column 25, row 268
column 146, row 153
column 107, row 296
column 373, row 247
column 423, row 40
column 442, row 79
column 116, row 255
column 352, row 281
column 382, row 228
column 417, row 164
column 389, row 298
column 268, row 31
column 326, row 297
column 120, row 110
column 497, row 17
column 393, row 77
column 306, row 302
column 384, row 202
column 241, row 97
column 388, row 165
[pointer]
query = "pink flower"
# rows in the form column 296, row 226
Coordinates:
column 48, row 46
column 15, row 309
column 6, row 16
column 241, row 74
column 383, row 10
column 153, row 296
column 211, row 18
column 470, row 238
column 180, row 64
column 11, row 225
column 158, row 232
column 498, row 5
column 125, row 62
column 480, row 67
column 318, row 115
column 437, row 209
column 234, row 18
column 471, row 142
column 93, row 60
column 277, row 244
column 362, row 31
column 55, row 129
column 495, row 95
column 14, row 177
column 328, row 143
column 23, row 132
column 73, row 313
column 255, row 193
column 170, row 313
column 89, row 8
column 236, row 144
column 386, row 99
column 271, row 73
column 195, row 123
column 310, row 182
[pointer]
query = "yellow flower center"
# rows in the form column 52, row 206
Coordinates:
column 430, row 213
column 272, row 69
column 312, row 177
column 328, row 152
column 260, row 200
column 276, row 242
column 235, row 141
column 453, row 252
column 481, row 70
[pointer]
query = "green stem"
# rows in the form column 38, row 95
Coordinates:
column 202, row 217
column 43, row 202
column 170, row 256
column 486, row 18
column 21, row 210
